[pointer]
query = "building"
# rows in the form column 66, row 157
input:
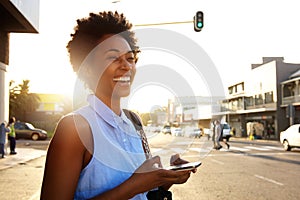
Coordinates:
column 259, row 104
column 194, row 111
column 16, row 16
column 264, row 104
column 290, row 95
column 51, row 108
column 53, row 103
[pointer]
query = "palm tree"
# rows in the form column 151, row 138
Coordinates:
column 21, row 101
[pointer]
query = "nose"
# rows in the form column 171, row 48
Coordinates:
column 125, row 64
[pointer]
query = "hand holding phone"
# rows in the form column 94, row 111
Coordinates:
column 186, row 166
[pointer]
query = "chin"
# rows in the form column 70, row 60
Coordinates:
column 122, row 93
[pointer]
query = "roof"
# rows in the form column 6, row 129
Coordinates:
column 19, row 17
column 296, row 74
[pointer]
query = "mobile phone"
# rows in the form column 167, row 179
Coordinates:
column 186, row 166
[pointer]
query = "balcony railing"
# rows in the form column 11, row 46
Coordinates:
column 291, row 100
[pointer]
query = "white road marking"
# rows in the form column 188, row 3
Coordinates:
column 154, row 150
column 257, row 148
column 200, row 149
column 238, row 149
column 269, row 180
column 274, row 148
column 207, row 149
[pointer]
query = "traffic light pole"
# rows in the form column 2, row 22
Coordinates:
column 165, row 23
column 197, row 21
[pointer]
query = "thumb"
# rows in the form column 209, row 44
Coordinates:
column 156, row 162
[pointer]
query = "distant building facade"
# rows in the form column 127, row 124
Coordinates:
column 259, row 104
column 51, row 108
column 194, row 111
column 264, row 104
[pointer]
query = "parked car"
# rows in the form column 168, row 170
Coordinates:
column 197, row 133
column 177, row 132
column 193, row 132
column 290, row 138
column 25, row 130
column 166, row 129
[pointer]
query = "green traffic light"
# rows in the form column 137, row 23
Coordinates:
column 199, row 24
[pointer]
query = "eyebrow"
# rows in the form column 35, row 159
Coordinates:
column 117, row 50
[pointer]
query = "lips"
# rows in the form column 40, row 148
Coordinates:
column 122, row 79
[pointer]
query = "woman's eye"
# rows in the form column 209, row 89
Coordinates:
column 112, row 57
column 131, row 59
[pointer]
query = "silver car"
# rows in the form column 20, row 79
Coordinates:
column 25, row 130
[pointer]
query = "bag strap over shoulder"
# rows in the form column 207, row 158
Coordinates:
column 134, row 118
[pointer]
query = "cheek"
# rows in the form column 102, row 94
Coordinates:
column 133, row 71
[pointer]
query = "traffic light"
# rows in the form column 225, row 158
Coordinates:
column 198, row 21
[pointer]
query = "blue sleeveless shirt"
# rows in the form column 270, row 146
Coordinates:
column 117, row 151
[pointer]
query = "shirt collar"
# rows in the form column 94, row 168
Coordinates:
column 106, row 113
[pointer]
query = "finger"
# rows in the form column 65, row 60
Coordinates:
column 179, row 161
column 155, row 162
column 174, row 158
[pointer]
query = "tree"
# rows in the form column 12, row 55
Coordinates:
column 21, row 101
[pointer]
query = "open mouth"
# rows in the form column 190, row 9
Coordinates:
column 122, row 79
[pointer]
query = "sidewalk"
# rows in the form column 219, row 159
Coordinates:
column 23, row 155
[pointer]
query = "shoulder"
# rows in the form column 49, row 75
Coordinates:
column 70, row 133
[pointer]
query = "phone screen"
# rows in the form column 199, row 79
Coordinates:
column 187, row 166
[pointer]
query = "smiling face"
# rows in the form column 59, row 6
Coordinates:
column 114, row 68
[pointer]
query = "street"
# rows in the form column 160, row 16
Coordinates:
column 248, row 170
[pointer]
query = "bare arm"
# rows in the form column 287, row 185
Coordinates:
column 64, row 161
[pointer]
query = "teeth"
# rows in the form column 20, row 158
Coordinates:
column 122, row 78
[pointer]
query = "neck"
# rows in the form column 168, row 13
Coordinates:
column 113, row 103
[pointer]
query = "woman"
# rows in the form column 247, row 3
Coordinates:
column 96, row 152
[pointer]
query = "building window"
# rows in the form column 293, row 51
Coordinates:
column 249, row 101
column 230, row 90
column 259, row 99
column 240, row 88
column 240, row 104
column 269, row 97
column 288, row 90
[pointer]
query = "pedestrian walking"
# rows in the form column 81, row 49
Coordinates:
column 3, row 135
column 213, row 137
column 217, row 134
column 12, row 136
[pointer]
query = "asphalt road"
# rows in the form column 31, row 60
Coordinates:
column 248, row 170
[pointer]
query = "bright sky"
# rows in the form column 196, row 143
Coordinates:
column 236, row 34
